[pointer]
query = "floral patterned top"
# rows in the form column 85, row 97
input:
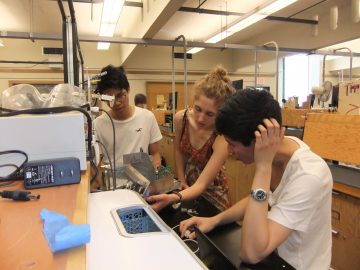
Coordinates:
column 218, row 191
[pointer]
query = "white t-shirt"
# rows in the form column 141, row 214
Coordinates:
column 302, row 202
column 132, row 134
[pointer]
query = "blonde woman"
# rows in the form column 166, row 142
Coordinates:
column 200, row 151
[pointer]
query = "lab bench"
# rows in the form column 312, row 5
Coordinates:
column 23, row 245
column 226, row 237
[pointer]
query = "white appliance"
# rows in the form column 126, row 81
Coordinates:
column 127, row 234
column 44, row 136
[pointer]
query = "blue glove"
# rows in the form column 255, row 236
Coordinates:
column 61, row 234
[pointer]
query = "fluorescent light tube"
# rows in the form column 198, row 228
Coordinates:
column 111, row 11
column 103, row 45
column 110, row 15
column 107, row 30
column 254, row 17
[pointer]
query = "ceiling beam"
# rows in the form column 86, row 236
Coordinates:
column 163, row 42
column 229, row 13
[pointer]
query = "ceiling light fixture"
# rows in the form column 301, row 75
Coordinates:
column 110, row 15
column 253, row 17
column 1, row 43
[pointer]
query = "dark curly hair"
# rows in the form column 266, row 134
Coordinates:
column 241, row 114
column 115, row 78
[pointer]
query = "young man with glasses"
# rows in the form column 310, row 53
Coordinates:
column 136, row 129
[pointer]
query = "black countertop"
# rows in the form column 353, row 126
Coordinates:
column 226, row 238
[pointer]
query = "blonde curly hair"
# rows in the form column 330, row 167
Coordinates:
column 215, row 85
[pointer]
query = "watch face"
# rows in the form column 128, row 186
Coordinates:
column 259, row 194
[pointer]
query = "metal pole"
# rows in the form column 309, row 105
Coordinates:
column 277, row 66
column 173, row 88
column 256, row 69
column 76, row 45
column 173, row 77
column 70, row 51
column 64, row 41
column 351, row 59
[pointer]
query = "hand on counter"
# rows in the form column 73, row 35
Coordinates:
column 158, row 202
column 205, row 224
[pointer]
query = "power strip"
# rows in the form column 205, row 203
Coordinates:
column 51, row 172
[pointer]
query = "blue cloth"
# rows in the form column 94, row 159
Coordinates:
column 61, row 234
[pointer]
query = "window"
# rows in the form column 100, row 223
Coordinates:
column 301, row 73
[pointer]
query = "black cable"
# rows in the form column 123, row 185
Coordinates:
column 6, row 183
column 56, row 110
column 13, row 175
column 92, row 180
column 5, row 110
column 112, row 170
column 19, row 195
column 114, row 156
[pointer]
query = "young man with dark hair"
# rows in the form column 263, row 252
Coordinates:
column 136, row 128
column 290, row 180
column 140, row 100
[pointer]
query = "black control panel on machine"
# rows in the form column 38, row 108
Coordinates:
column 51, row 172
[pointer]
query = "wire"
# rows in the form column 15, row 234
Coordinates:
column 193, row 241
column 7, row 183
column 108, row 157
column 173, row 228
column 18, row 168
column 19, row 195
column 96, row 171
column 114, row 156
column 6, row 110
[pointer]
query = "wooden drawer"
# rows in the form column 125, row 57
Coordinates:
column 345, row 252
column 346, row 214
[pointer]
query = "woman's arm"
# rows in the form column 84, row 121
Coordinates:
column 212, row 168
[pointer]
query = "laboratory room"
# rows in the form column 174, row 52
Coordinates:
column 187, row 134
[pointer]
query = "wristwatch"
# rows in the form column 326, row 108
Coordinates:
column 259, row 194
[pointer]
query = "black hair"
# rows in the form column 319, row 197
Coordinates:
column 114, row 78
column 241, row 114
column 140, row 99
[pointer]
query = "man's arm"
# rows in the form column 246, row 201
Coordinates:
column 154, row 150
column 260, row 236
column 234, row 213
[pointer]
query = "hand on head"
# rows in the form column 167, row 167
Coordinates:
column 268, row 139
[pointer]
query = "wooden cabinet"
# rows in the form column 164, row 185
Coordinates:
column 153, row 89
column 167, row 149
column 240, row 177
column 345, row 214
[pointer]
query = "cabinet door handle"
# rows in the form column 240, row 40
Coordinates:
column 334, row 232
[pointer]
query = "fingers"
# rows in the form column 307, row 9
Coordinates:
column 185, row 224
column 269, row 129
column 192, row 235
